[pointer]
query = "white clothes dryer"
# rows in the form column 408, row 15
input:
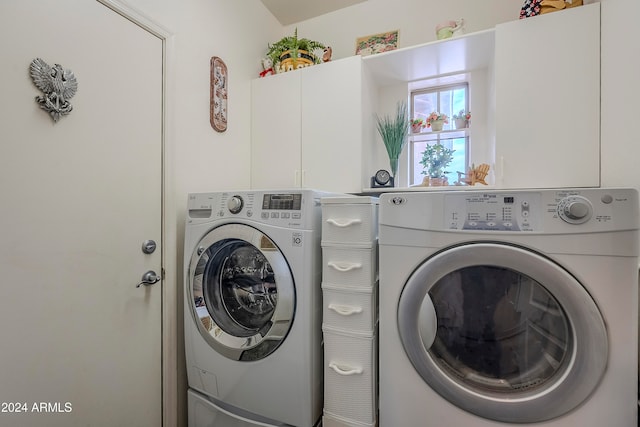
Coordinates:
column 253, row 308
column 508, row 307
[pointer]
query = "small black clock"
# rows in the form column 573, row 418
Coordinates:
column 382, row 178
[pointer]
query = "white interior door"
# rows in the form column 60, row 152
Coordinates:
column 79, row 197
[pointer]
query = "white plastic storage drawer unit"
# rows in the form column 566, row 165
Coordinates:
column 330, row 420
column 350, row 375
column 349, row 220
column 350, row 265
column 350, row 311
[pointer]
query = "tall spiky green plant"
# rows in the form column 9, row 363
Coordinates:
column 394, row 132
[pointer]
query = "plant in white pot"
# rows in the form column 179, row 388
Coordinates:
column 394, row 132
column 437, row 120
column 417, row 125
column 461, row 119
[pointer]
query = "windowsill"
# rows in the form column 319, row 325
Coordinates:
column 443, row 134
column 417, row 188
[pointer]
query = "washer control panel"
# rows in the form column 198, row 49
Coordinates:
column 284, row 209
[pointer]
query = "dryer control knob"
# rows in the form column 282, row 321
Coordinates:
column 235, row 204
column 575, row 209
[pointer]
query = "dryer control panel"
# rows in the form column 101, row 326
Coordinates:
column 568, row 210
column 492, row 211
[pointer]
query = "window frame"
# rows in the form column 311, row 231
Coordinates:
column 439, row 136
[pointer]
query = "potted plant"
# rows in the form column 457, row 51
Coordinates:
column 461, row 119
column 394, row 132
column 436, row 121
column 435, row 159
column 291, row 52
column 417, row 125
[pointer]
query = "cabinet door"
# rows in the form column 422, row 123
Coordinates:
column 275, row 131
column 332, row 122
column 547, row 78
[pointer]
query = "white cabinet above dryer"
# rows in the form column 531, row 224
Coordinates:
column 547, row 95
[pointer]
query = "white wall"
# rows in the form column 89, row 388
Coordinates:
column 237, row 32
column 416, row 20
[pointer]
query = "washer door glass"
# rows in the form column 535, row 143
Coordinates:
column 242, row 291
column 502, row 332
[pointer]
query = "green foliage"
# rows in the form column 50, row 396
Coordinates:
column 394, row 131
column 294, row 44
column 435, row 159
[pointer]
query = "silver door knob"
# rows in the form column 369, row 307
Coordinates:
column 149, row 278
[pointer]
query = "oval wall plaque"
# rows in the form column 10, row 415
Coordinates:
column 218, row 95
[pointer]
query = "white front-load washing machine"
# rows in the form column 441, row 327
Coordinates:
column 253, row 308
column 502, row 307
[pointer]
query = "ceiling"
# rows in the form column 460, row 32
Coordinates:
column 292, row 11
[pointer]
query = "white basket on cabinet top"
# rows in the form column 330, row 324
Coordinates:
column 349, row 309
column 347, row 220
column 349, row 266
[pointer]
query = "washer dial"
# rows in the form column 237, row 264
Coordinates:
column 235, row 204
column 575, row 209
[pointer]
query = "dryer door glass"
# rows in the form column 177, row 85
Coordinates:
column 242, row 291
column 502, row 332
column 499, row 330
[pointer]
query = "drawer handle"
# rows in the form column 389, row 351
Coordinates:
column 344, row 267
column 345, row 310
column 346, row 370
column 342, row 223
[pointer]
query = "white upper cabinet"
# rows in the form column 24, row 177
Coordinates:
column 333, row 131
column 276, row 131
column 540, row 83
column 547, row 95
column 307, row 128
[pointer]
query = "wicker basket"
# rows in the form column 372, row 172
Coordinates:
column 289, row 63
column 434, row 182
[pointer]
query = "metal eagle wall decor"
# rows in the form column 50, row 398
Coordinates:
column 58, row 85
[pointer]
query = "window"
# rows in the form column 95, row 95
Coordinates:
column 447, row 100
